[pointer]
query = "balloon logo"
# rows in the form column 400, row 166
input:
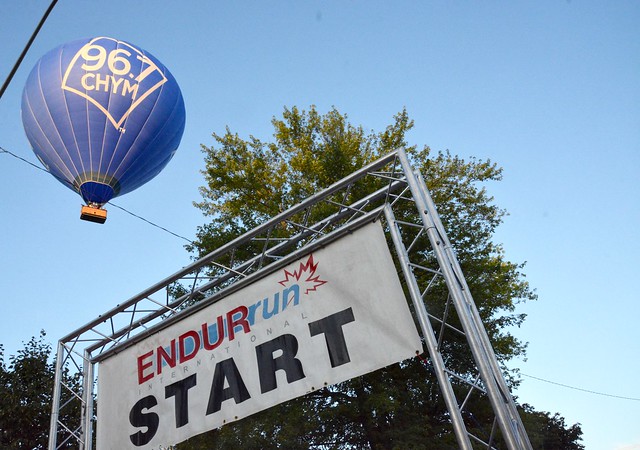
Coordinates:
column 103, row 116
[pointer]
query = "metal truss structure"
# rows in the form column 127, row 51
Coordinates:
column 388, row 190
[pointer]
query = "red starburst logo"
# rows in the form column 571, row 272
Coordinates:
column 305, row 276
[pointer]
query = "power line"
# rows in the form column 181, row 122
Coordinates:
column 151, row 223
column 425, row 363
column 3, row 150
column 26, row 48
column 581, row 389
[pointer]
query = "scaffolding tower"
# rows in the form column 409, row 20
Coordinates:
column 387, row 189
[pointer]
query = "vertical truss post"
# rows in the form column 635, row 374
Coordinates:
column 57, row 392
column 505, row 395
column 87, row 402
column 501, row 401
column 459, row 427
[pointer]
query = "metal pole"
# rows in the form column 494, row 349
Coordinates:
column 55, row 403
column 87, row 403
column 463, row 304
column 427, row 331
column 516, row 421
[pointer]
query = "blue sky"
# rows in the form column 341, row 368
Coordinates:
column 549, row 90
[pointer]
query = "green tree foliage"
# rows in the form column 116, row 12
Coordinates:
column 548, row 432
column 26, row 391
column 249, row 181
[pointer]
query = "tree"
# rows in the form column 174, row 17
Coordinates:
column 26, row 388
column 249, row 181
column 549, row 432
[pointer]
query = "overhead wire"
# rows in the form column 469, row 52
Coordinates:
column 150, row 223
column 427, row 366
column 3, row 150
column 581, row 389
column 26, row 48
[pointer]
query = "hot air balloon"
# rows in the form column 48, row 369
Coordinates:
column 103, row 116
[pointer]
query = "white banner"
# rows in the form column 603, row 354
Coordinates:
column 333, row 315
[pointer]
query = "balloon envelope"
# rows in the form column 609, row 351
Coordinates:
column 103, row 116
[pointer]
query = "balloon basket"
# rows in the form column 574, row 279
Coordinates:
column 91, row 214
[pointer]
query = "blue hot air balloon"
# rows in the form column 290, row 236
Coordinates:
column 103, row 116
